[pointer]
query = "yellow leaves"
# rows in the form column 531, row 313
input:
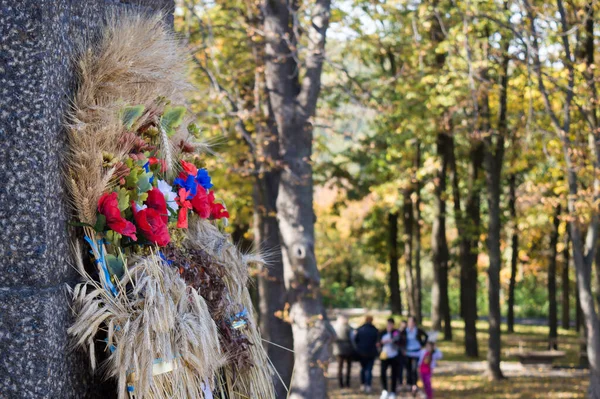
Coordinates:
column 560, row 190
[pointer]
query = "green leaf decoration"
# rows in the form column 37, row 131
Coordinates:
column 143, row 183
column 115, row 265
column 132, row 180
column 142, row 197
column 130, row 115
column 123, row 198
column 172, row 118
column 100, row 223
column 193, row 129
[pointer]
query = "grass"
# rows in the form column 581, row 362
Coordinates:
column 458, row 381
column 478, row 387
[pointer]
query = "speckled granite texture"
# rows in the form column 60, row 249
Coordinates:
column 37, row 43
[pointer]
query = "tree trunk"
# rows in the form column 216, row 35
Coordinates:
column 552, row 308
column 597, row 281
column 408, row 221
column 591, row 326
column 293, row 98
column 417, row 209
column 494, row 157
column 271, row 287
column 514, row 257
column 578, row 312
column 468, row 224
column 439, row 245
column 394, row 277
column 566, row 308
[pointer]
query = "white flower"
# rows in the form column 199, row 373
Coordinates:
column 170, row 196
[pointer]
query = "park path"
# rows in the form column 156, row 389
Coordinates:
column 449, row 368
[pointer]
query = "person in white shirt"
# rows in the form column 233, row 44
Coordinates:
column 388, row 342
column 414, row 339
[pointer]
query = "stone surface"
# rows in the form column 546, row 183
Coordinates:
column 37, row 43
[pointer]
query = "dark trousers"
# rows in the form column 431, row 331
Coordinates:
column 341, row 360
column 366, row 371
column 411, row 370
column 393, row 363
column 401, row 367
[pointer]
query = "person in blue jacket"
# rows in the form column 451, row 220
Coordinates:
column 367, row 337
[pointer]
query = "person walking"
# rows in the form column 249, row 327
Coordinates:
column 427, row 361
column 366, row 340
column 343, row 349
column 401, row 355
column 388, row 341
column 415, row 339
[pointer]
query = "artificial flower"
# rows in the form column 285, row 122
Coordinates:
column 185, row 204
column 217, row 210
column 108, row 205
column 152, row 225
column 156, row 201
column 201, row 204
column 203, row 179
column 163, row 163
column 189, row 168
column 188, row 182
column 169, row 194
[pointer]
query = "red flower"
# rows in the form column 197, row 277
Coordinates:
column 190, row 168
column 163, row 163
column 108, row 205
column 151, row 224
column 156, row 201
column 218, row 211
column 201, row 203
column 184, row 205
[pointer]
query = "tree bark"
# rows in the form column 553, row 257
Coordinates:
column 271, row 287
column 417, row 209
column 566, row 308
column 583, row 252
column 439, row 246
column 293, row 98
column 408, row 221
column 552, row 308
column 514, row 257
column 468, row 224
column 494, row 157
column 394, row 276
column 578, row 312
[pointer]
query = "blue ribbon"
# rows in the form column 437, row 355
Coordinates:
column 97, row 246
column 239, row 319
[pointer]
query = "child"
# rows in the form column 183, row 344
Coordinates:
column 428, row 358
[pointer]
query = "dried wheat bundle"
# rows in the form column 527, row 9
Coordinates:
column 137, row 61
column 168, row 336
column 158, row 317
column 253, row 382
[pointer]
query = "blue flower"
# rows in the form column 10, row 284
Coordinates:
column 203, row 179
column 147, row 169
column 189, row 184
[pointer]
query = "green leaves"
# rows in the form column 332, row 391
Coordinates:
column 100, row 223
column 123, row 198
column 130, row 115
column 171, row 119
column 115, row 265
column 143, row 183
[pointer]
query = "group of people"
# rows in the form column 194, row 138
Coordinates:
column 406, row 351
